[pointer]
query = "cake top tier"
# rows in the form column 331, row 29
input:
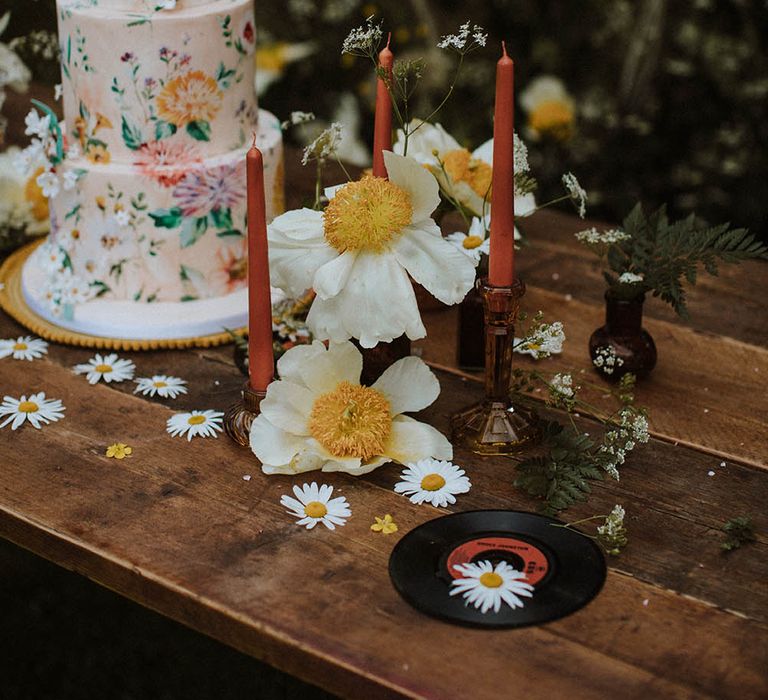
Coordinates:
column 177, row 81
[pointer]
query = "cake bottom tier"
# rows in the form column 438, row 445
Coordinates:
column 151, row 249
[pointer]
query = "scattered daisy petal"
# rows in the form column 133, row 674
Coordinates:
column 119, row 450
column 384, row 525
column 486, row 586
column 315, row 505
column 203, row 423
column 23, row 348
column 36, row 409
column 433, row 481
column 108, row 367
column 162, row 385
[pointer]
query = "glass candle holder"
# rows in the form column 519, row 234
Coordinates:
column 496, row 425
column 240, row 416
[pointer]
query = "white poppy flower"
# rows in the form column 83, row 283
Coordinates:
column 109, row 368
column 36, row 409
column 464, row 176
column 160, row 384
column 486, row 586
column 318, row 416
column 359, row 252
column 432, row 481
column 23, row 348
column 203, row 423
column 315, row 505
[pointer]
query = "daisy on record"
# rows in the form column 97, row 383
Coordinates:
column 487, row 586
column 315, row 505
column 360, row 253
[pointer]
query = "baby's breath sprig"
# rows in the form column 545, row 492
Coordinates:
column 611, row 535
column 324, row 146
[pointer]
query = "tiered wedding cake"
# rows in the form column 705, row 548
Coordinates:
column 149, row 242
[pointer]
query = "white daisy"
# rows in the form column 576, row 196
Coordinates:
column 318, row 416
column 23, row 348
column 162, row 385
column 109, row 368
column 203, row 423
column 474, row 243
column 486, row 586
column 432, row 481
column 463, row 176
column 36, row 409
column 315, row 505
column 360, row 254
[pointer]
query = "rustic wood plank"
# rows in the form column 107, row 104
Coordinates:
column 702, row 392
column 176, row 528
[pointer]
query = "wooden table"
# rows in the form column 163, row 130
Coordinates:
column 177, row 528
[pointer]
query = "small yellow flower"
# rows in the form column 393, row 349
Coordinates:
column 119, row 451
column 97, row 154
column 384, row 525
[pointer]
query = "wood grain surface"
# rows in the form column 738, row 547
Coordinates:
column 177, row 528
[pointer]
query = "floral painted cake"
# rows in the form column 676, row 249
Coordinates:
column 146, row 175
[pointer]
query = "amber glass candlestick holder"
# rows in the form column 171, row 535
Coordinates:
column 496, row 425
column 240, row 416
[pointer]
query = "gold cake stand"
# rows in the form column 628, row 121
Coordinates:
column 13, row 302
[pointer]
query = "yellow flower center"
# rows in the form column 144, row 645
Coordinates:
column 462, row 167
column 432, row 482
column 28, row 407
column 33, row 193
column 553, row 117
column 471, row 242
column 196, row 420
column 20, row 346
column 366, row 215
column 103, row 369
column 160, row 385
column 490, row 579
column 351, row 421
column 315, row 509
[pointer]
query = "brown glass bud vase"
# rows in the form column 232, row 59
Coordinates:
column 381, row 356
column 497, row 425
column 470, row 334
column 624, row 338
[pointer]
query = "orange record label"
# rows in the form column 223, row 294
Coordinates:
column 522, row 555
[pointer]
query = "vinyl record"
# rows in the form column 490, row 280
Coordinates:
column 565, row 568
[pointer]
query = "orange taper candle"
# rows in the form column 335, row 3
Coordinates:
column 382, row 126
column 502, row 253
column 261, row 367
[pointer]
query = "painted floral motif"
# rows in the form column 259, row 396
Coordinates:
column 166, row 162
column 232, row 267
column 208, row 190
column 191, row 98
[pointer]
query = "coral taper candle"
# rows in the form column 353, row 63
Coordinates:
column 261, row 367
column 382, row 126
column 501, row 260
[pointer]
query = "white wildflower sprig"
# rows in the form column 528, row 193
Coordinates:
column 630, row 278
column 325, row 145
column 593, row 237
column 611, row 535
column 363, row 40
column 630, row 429
column 467, row 39
column 576, row 192
column 562, row 391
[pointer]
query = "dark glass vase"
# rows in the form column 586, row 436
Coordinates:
column 470, row 335
column 381, row 356
column 622, row 345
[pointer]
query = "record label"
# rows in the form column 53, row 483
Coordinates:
column 524, row 556
column 565, row 568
